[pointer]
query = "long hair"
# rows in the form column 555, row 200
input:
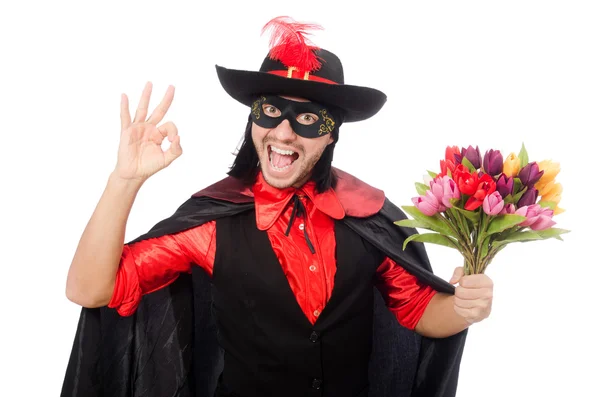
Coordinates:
column 246, row 164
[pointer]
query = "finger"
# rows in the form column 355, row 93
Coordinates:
column 473, row 293
column 142, row 109
column 162, row 108
column 174, row 150
column 467, row 314
column 470, row 303
column 125, row 115
column 458, row 273
column 476, row 281
column 168, row 130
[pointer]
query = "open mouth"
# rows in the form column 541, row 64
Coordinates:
column 281, row 159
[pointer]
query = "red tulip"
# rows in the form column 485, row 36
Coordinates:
column 485, row 186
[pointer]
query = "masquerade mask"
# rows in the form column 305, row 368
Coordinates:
column 308, row 119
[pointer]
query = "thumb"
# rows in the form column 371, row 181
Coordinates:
column 458, row 273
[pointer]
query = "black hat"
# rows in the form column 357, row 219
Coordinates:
column 296, row 67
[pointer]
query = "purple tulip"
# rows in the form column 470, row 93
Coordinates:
column 473, row 155
column 508, row 209
column 530, row 174
column 528, row 198
column 538, row 218
column 428, row 204
column 493, row 162
column 505, row 185
column 493, row 204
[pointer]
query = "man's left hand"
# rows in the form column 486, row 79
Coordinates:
column 473, row 295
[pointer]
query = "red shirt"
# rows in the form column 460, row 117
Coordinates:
column 151, row 264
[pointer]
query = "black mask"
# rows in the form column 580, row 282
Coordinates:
column 291, row 110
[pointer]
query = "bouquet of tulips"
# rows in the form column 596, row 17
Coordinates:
column 480, row 205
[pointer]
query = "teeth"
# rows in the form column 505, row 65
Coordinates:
column 281, row 151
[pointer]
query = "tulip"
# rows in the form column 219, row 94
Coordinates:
column 467, row 183
column 450, row 152
column 485, row 186
column 528, row 198
column 538, row 218
column 473, row 155
column 451, row 191
column 505, row 185
column 508, row 209
column 444, row 189
column 493, row 204
column 551, row 169
column 428, row 204
column 551, row 192
column 493, row 162
column 530, row 174
column 512, row 164
column 445, row 166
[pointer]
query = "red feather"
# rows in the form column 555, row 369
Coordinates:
column 289, row 45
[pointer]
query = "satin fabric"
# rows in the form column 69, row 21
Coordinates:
column 152, row 264
column 169, row 346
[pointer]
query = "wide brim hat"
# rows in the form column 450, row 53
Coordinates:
column 296, row 67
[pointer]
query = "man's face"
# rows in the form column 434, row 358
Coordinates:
column 287, row 159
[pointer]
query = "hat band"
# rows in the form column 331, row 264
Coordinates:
column 294, row 73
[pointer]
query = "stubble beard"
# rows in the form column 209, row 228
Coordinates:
column 305, row 169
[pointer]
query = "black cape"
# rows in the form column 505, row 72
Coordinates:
column 169, row 346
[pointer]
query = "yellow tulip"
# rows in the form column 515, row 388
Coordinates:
column 512, row 165
column 551, row 169
column 558, row 210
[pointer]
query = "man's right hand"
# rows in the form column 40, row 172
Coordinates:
column 140, row 153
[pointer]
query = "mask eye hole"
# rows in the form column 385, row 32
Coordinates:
column 271, row 110
column 307, row 118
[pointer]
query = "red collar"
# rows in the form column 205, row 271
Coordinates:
column 270, row 202
column 353, row 196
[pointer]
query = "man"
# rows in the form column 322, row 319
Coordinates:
column 291, row 260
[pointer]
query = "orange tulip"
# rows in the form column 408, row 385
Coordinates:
column 551, row 192
column 551, row 169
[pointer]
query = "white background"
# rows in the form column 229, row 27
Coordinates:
column 493, row 74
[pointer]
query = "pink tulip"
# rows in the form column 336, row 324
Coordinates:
column 428, row 204
column 538, row 218
column 493, row 203
column 444, row 189
column 508, row 209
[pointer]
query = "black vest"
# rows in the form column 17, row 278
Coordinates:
column 271, row 349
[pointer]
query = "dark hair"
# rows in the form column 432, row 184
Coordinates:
column 246, row 164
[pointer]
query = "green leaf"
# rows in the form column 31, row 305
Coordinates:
column 468, row 164
column 518, row 185
column 547, row 204
column 503, row 222
column 553, row 232
column 435, row 223
column 530, row 235
column 470, row 215
column 518, row 196
column 432, row 174
column 421, row 188
column 413, row 223
column 523, row 156
column 434, row 238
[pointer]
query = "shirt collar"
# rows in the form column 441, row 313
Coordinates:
column 270, row 202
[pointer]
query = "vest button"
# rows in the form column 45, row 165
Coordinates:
column 316, row 384
column 314, row 337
